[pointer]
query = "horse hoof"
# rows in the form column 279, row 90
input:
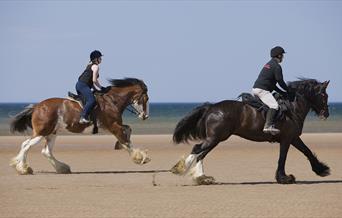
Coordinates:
column 322, row 170
column 204, row 180
column 325, row 173
column 26, row 171
column 284, row 179
column 64, row 170
column 139, row 156
column 29, row 171
column 179, row 167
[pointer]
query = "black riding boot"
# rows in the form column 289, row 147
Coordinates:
column 269, row 124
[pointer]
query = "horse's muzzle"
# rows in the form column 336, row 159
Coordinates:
column 143, row 116
column 324, row 114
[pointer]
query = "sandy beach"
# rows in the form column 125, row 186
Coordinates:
column 106, row 183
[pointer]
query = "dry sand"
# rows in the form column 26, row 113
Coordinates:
column 105, row 182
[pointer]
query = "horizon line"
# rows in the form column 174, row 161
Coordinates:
column 154, row 102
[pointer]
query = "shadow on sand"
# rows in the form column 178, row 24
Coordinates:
column 109, row 172
column 217, row 183
column 275, row 183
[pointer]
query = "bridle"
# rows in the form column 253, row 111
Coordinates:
column 131, row 108
column 321, row 111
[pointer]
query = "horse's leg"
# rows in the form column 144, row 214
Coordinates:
column 281, row 176
column 194, row 162
column 19, row 162
column 123, row 134
column 127, row 133
column 60, row 167
column 318, row 167
column 201, row 152
column 183, row 165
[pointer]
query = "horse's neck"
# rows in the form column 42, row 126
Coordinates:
column 122, row 97
column 301, row 109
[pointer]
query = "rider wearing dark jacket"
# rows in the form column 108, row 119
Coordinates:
column 270, row 75
column 88, row 80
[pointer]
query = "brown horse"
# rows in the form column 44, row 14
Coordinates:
column 51, row 115
column 213, row 123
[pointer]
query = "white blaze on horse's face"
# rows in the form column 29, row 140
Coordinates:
column 143, row 112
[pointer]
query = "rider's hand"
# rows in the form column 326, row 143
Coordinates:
column 103, row 89
column 283, row 94
column 291, row 95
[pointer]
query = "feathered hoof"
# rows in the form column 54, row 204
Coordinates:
column 24, row 170
column 179, row 168
column 63, row 170
column 325, row 173
column 204, row 180
column 13, row 162
column 321, row 169
column 140, row 157
column 284, row 179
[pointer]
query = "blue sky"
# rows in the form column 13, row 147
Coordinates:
column 185, row 51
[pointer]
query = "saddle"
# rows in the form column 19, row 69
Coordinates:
column 81, row 101
column 254, row 101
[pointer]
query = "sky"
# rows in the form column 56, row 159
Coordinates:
column 185, row 51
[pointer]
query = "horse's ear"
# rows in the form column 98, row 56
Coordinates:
column 326, row 83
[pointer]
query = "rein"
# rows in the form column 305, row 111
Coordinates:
column 132, row 109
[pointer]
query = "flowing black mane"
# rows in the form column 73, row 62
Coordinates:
column 128, row 82
column 303, row 86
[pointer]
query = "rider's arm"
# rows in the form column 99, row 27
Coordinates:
column 279, row 91
column 279, row 77
column 96, row 82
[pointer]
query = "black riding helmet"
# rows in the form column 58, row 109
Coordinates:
column 277, row 51
column 95, row 54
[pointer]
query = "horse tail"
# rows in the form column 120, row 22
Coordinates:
column 192, row 127
column 22, row 120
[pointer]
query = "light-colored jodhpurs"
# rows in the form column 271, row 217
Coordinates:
column 266, row 97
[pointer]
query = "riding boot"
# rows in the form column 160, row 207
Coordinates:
column 269, row 124
column 84, row 120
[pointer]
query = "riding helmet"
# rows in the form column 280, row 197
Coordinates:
column 95, row 54
column 277, row 51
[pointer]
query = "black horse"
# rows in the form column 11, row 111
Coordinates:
column 213, row 123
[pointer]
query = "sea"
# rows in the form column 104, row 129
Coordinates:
column 164, row 117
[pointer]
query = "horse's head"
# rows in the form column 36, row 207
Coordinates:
column 138, row 97
column 316, row 95
column 320, row 100
column 140, row 102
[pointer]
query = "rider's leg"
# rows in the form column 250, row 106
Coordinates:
column 267, row 98
column 90, row 101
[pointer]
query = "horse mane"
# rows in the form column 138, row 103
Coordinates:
column 128, row 82
column 303, row 85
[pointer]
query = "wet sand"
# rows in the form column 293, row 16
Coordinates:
column 106, row 183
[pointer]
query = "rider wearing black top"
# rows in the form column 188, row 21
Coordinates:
column 270, row 75
column 89, row 80
column 87, row 76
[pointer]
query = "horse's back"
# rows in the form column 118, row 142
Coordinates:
column 237, row 109
column 240, row 117
column 49, row 112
